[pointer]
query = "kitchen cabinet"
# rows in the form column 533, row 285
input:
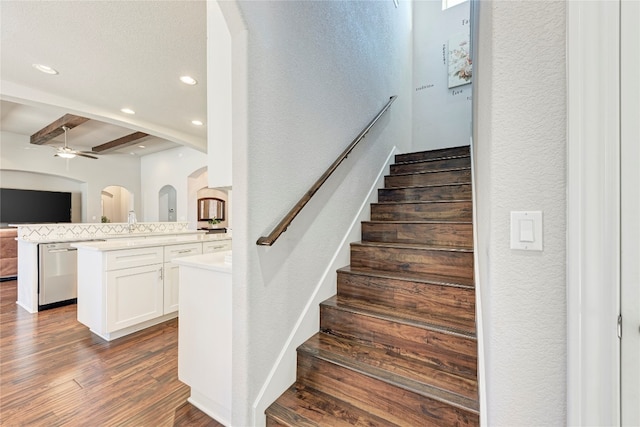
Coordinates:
column 122, row 291
column 171, row 272
column 126, row 286
column 134, row 295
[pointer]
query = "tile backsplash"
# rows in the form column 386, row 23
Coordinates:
column 51, row 232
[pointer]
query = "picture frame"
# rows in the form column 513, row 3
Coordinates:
column 459, row 66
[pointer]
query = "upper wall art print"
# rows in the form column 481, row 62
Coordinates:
column 459, row 60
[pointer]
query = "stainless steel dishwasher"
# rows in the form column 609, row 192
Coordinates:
column 57, row 275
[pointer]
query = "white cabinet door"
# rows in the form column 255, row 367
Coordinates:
column 209, row 247
column 171, row 276
column 171, row 286
column 134, row 295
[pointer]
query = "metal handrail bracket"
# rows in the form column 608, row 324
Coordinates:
column 288, row 218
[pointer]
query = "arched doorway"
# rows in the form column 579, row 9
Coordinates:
column 116, row 202
column 167, row 204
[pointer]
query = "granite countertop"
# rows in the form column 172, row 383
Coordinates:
column 217, row 261
column 149, row 241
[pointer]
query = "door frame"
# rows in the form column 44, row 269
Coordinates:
column 593, row 212
column 630, row 211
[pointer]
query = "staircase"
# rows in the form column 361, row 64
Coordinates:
column 397, row 344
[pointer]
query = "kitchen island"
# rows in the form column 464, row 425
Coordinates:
column 125, row 285
column 32, row 235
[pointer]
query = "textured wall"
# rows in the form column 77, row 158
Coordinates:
column 520, row 165
column 318, row 73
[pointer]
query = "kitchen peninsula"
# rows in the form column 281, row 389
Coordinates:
column 125, row 285
column 101, row 253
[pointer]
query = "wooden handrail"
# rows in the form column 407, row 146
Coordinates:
column 286, row 221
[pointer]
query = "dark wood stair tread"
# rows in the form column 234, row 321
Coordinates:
column 427, row 172
column 415, row 277
column 392, row 315
column 302, row 406
column 413, row 246
column 434, row 159
column 438, row 152
column 420, row 165
column 427, row 186
column 454, row 234
column 422, row 210
column 392, row 368
column 448, row 321
column 421, row 202
column 419, row 221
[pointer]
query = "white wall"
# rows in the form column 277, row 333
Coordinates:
column 520, row 148
column 317, row 74
column 219, row 98
column 441, row 116
column 169, row 167
column 17, row 154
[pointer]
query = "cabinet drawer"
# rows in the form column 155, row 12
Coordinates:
column 127, row 258
column 177, row 251
column 209, row 247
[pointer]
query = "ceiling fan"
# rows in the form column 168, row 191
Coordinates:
column 69, row 153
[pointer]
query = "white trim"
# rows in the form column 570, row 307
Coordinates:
column 593, row 212
column 630, row 212
column 282, row 373
column 482, row 380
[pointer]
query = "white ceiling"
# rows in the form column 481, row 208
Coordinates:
column 109, row 55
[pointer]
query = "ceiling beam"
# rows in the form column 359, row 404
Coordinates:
column 125, row 141
column 54, row 129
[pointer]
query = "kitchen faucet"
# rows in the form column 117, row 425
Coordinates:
column 131, row 220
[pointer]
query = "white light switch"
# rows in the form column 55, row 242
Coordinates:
column 526, row 230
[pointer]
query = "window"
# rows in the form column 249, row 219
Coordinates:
column 446, row 4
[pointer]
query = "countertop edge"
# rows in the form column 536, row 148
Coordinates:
column 212, row 261
column 133, row 243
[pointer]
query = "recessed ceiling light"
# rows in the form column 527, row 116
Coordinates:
column 45, row 69
column 197, row 122
column 128, row 111
column 188, row 80
column 141, row 146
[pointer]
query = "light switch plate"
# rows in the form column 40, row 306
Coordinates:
column 526, row 230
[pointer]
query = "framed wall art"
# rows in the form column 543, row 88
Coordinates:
column 459, row 67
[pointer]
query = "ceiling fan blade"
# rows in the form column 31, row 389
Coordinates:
column 91, row 153
column 82, row 154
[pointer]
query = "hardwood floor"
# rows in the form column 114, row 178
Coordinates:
column 54, row 372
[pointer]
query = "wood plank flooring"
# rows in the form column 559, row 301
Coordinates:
column 54, row 372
